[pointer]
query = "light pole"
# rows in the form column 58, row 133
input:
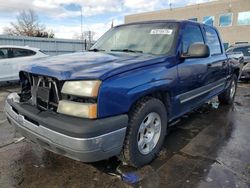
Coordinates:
column 82, row 29
column 170, row 4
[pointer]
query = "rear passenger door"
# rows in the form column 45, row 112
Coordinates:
column 218, row 63
column 201, row 78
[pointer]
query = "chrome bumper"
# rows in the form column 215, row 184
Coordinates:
column 82, row 149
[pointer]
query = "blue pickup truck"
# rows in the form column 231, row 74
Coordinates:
column 120, row 97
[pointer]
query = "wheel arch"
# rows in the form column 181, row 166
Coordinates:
column 163, row 95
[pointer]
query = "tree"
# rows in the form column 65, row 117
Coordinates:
column 28, row 25
column 87, row 35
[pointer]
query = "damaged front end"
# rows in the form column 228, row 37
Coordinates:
column 41, row 91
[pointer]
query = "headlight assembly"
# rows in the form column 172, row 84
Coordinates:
column 86, row 90
column 82, row 88
column 82, row 110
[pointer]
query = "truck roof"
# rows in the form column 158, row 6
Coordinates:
column 166, row 21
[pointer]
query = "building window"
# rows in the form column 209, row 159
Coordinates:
column 244, row 18
column 226, row 19
column 193, row 19
column 209, row 20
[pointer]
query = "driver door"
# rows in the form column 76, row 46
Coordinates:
column 193, row 72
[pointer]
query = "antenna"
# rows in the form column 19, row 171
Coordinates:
column 112, row 24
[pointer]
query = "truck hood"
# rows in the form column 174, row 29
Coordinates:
column 90, row 65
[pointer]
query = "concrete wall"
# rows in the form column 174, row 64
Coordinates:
column 229, row 34
column 49, row 46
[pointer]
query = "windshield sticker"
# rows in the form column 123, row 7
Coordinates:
column 161, row 32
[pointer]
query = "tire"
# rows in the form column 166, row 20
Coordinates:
column 143, row 126
column 227, row 97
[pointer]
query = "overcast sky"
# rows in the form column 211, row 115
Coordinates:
column 63, row 16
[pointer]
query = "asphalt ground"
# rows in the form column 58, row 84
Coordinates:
column 208, row 147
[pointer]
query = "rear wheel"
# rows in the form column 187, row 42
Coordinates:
column 146, row 132
column 227, row 97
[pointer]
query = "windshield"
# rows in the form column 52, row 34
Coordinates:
column 150, row 38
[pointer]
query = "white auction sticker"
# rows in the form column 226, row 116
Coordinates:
column 161, row 32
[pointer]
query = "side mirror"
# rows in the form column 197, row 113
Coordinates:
column 197, row 50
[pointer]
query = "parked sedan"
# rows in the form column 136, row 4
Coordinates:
column 245, row 49
column 245, row 76
column 13, row 58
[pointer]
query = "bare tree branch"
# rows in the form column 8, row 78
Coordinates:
column 28, row 24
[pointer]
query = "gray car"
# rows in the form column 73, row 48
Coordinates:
column 245, row 49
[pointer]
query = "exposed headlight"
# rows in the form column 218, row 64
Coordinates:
column 83, row 110
column 82, row 88
column 14, row 96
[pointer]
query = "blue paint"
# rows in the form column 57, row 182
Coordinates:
column 130, row 177
column 90, row 65
column 126, row 77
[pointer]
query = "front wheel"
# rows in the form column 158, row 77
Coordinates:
column 227, row 97
column 146, row 132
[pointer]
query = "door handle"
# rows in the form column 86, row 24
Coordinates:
column 224, row 63
column 209, row 65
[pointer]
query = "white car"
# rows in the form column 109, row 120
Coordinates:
column 13, row 58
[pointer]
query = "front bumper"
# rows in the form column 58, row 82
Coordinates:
column 52, row 132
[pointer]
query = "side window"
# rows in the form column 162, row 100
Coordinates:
column 16, row 52
column 3, row 53
column 213, row 41
column 192, row 34
column 244, row 50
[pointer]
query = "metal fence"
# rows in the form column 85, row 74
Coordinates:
column 47, row 45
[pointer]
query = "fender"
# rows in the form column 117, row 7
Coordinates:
column 149, row 88
column 118, row 93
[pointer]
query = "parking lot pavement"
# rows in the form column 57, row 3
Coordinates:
column 208, row 147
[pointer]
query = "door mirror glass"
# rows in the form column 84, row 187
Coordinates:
column 197, row 50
